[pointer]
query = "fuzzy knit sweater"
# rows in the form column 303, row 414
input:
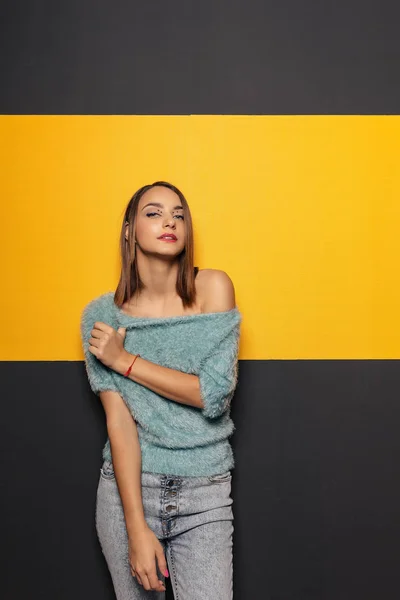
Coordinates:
column 175, row 438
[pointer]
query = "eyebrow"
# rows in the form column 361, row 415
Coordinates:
column 161, row 205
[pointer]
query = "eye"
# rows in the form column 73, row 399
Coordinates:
column 156, row 214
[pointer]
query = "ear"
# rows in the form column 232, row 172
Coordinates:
column 127, row 232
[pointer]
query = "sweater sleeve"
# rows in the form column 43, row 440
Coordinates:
column 218, row 375
column 100, row 377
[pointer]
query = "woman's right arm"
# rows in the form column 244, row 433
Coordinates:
column 144, row 547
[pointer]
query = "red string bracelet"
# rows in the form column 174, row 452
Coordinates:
column 129, row 370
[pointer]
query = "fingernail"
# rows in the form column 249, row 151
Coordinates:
column 166, row 573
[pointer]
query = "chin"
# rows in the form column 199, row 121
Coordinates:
column 167, row 252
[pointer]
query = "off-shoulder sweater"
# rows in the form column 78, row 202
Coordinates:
column 175, row 438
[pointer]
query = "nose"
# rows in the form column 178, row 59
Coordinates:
column 170, row 221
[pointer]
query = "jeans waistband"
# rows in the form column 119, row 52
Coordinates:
column 169, row 479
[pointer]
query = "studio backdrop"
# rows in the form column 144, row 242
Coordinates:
column 279, row 123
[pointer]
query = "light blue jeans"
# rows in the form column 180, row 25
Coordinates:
column 193, row 519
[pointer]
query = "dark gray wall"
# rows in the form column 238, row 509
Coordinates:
column 213, row 56
column 316, row 488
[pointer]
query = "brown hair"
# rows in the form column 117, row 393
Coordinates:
column 129, row 280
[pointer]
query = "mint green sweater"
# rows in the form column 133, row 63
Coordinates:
column 175, row 438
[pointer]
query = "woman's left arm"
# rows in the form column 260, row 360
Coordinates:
column 175, row 385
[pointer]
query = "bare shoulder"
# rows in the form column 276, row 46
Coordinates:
column 216, row 290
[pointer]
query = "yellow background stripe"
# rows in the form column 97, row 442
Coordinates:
column 303, row 212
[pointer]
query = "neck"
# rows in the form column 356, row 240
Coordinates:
column 158, row 276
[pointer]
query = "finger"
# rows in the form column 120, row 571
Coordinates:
column 96, row 333
column 146, row 583
column 153, row 579
column 103, row 327
column 136, row 575
column 162, row 563
column 160, row 587
column 133, row 573
column 94, row 350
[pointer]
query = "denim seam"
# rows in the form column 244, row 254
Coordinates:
column 174, row 570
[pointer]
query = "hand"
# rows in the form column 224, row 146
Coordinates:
column 144, row 548
column 107, row 344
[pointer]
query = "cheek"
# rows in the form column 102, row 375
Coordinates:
column 146, row 228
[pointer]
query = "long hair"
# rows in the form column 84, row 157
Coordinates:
column 130, row 281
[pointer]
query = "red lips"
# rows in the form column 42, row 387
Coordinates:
column 167, row 236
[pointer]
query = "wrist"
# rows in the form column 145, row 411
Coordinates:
column 124, row 361
column 135, row 528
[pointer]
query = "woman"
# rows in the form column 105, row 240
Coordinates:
column 161, row 352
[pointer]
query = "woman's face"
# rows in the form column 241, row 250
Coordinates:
column 160, row 213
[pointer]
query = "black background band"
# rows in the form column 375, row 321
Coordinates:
column 209, row 57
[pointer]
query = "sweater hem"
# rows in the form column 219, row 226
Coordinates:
column 196, row 462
